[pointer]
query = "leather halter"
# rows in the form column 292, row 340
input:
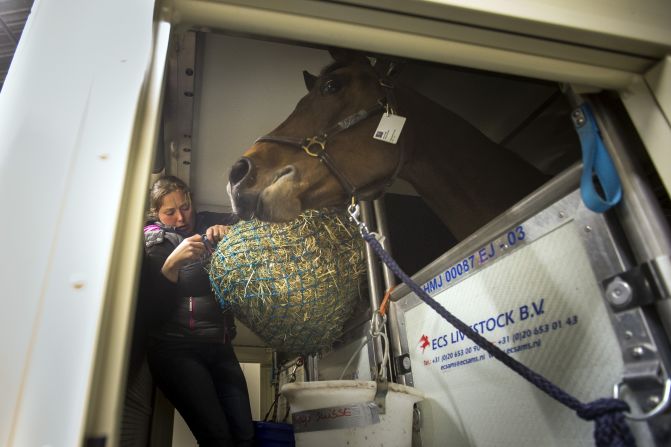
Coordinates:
column 315, row 146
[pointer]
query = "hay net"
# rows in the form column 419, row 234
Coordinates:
column 294, row 284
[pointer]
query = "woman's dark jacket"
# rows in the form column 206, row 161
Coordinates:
column 186, row 309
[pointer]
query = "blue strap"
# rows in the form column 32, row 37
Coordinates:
column 596, row 162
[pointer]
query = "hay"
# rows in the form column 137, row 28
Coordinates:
column 293, row 284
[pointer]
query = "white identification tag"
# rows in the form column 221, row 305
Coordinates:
column 389, row 128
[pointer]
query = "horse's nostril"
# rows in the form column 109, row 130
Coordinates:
column 240, row 171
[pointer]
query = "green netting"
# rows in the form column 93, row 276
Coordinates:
column 294, row 284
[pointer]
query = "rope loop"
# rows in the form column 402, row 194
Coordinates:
column 377, row 329
column 601, row 407
column 610, row 425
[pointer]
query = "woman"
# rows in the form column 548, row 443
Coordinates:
column 189, row 351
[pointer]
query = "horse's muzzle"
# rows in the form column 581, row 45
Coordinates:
column 242, row 172
column 243, row 200
column 272, row 199
column 244, row 204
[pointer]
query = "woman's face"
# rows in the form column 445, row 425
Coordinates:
column 176, row 211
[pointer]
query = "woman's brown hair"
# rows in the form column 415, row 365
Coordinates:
column 163, row 186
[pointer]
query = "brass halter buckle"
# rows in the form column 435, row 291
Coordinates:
column 309, row 142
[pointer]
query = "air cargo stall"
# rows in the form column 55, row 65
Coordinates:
column 562, row 299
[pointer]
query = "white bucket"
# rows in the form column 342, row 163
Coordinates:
column 341, row 397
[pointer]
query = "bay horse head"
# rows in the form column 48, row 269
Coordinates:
column 324, row 153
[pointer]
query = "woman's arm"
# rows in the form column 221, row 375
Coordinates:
column 189, row 250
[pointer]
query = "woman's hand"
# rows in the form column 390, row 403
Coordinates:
column 190, row 249
column 216, row 233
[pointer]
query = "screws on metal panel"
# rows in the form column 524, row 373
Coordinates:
column 637, row 352
column 578, row 117
column 652, row 401
column 619, row 292
column 406, row 363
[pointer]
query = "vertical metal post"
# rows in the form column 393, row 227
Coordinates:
column 389, row 281
column 383, row 230
column 311, row 368
column 275, row 366
column 178, row 119
column 275, row 382
column 374, row 284
column 640, row 214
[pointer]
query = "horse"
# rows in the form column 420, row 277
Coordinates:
column 324, row 153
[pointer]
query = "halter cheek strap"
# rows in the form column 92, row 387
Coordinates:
column 315, row 146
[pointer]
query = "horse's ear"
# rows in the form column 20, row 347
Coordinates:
column 345, row 55
column 309, row 79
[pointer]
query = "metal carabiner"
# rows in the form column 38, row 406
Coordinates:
column 354, row 212
column 292, row 374
column 659, row 408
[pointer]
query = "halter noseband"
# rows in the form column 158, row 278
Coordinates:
column 315, row 146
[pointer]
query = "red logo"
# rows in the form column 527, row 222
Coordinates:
column 423, row 343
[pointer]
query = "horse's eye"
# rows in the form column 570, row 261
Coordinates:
column 329, row 87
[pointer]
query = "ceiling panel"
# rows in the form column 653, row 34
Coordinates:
column 13, row 16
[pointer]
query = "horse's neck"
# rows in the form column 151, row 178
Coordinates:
column 463, row 176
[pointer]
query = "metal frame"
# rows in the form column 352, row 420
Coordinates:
column 426, row 30
column 640, row 348
column 645, row 347
column 98, row 274
column 648, row 103
column 178, row 118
